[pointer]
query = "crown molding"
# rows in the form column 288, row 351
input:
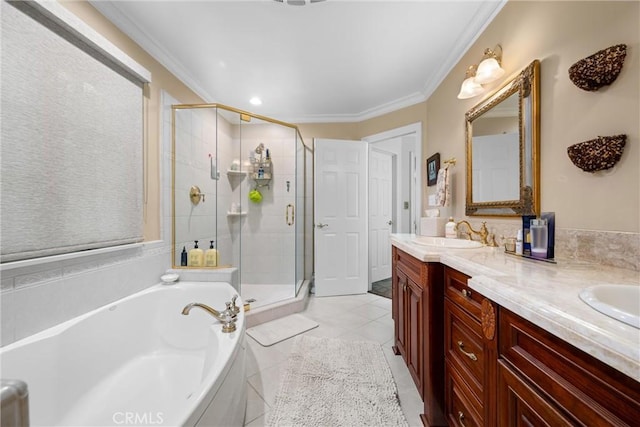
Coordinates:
column 112, row 12
column 388, row 107
column 486, row 13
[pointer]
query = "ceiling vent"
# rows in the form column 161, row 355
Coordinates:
column 298, row 2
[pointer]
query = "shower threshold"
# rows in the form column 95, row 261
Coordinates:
column 263, row 295
column 273, row 301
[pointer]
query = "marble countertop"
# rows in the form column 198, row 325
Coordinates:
column 547, row 295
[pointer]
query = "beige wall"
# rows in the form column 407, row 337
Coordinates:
column 558, row 34
column 161, row 79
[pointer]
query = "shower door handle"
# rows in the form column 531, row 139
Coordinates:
column 321, row 225
column 291, row 209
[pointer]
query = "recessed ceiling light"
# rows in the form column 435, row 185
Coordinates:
column 255, row 101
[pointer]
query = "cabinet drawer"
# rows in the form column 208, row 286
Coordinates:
column 462, row 407
column 521, row 405
column 464, row 346
column 409, row 265
column 456, row 289
column 591, row 391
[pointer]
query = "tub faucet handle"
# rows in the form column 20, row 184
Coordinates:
column 234, row 307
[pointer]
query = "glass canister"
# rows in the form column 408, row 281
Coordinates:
column 539, row 238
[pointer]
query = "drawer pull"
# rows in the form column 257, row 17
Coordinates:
column 469, row 355
column 461, row 418
column 466, row 293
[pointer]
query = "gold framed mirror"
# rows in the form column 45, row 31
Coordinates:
column 502, row 149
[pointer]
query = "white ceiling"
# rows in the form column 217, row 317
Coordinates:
column 338, row 60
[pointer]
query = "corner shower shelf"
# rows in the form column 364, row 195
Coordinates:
column 231, row 173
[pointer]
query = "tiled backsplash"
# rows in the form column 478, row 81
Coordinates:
column 616, row 249
column 611, row 248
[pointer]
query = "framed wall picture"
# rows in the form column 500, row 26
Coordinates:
column 433, row 166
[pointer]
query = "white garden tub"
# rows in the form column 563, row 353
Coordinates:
column 137, row 361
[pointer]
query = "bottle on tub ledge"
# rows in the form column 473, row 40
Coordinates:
column 211, row 256
column 196, row 256
column 183, row 257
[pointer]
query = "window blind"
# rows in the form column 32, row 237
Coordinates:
column 71, row 144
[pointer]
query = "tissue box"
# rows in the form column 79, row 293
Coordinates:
column 432, row 226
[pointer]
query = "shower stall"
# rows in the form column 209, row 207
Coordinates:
column 238, row 188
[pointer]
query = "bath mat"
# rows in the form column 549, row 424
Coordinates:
column 333, row 382
column 273, row 332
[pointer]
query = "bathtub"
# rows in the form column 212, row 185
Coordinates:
column 137, row 361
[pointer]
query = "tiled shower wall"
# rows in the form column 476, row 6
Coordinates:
column 201, row 138
column 268, row 245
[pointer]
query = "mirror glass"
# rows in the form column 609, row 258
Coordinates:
column 502, row 149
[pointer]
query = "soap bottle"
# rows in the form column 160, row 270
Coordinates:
column 519, row 247
column 211, row 256
column 183, row 257
column 450, row 229
column 196, row 256
column 539, row 235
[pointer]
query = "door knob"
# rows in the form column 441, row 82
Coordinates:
column 390, row 222
column 321, row 225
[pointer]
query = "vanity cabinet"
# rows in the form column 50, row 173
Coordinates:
column 502, row 370
column 470, row 353
column 417, row 310
column 543, row 380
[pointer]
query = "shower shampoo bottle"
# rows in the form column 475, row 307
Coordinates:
column 211, row 257
column 196, row 256
column 183, row 257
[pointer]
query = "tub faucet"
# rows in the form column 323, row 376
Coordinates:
column 227, row 317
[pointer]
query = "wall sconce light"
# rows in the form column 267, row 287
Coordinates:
column 489, row 69
column 470, row 87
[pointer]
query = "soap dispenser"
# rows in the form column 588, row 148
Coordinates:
column 450, row 229
column 211, row 256
column 196, row 256
column 183, row 257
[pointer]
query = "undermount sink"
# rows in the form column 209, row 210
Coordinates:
column 442, row 242
column 622, row 302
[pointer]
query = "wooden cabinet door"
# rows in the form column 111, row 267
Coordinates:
column 415, row 335
column 400, row 312
column 520, row 404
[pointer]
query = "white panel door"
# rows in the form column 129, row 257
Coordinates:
column 380, row 214
column 340, row 215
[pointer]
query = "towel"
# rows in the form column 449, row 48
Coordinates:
column 443, row 188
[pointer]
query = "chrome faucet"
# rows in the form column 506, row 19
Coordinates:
column 227, row 317
column 486, row 238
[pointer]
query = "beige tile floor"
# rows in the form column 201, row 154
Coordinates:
column 355, row 317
